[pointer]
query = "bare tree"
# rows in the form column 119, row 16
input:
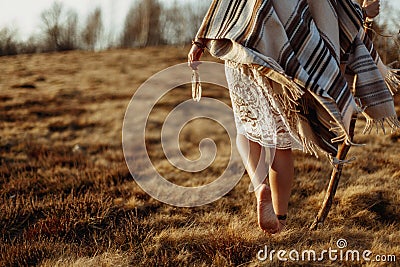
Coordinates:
column 93, row 30
column 69, row 33
column 131, row 30
column 181, row 21
column 30, row 46
column 51, row 20
column 60, row 29
column 142, row 25
column 195, row 15
column 8, row 44
column 175, row 24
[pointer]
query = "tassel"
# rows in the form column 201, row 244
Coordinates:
column 392, row 80
column 341, row 138
column 392, row 121
column 310, row 147
column 341, row 134
column 351, row 143
column 368, row 126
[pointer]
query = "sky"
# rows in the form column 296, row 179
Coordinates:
column 24, row 15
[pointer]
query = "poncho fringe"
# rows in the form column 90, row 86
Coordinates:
column 392, row 80
column 301, row 45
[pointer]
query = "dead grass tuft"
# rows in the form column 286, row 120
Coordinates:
column 26, row 85
column 67, row 197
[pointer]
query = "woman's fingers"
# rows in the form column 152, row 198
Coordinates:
column 194, row 64
column 194, row 57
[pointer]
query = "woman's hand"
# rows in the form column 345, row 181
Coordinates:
column 371, row 8
column 194, row 56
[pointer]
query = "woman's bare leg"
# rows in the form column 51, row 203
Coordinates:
column 253, row 156
column 281, row 179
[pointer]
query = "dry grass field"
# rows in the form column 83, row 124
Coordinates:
column 68, row 199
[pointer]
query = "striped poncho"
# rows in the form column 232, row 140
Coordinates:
column 302, row 46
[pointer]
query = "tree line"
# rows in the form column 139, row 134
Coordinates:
column 147, row 23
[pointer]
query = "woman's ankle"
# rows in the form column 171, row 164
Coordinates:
column 263, row 191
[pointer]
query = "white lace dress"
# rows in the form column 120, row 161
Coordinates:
column 258, row 115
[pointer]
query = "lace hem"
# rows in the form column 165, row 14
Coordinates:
column 258, row 114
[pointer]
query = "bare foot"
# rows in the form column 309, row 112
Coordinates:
column 267, row 219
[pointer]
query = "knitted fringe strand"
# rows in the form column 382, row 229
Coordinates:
column 392, row 80
column 393, row 123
